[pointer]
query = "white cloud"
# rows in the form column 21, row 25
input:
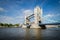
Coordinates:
column 2, row 10
column 58, row 1
column 49, row 18
column 28, row 12
column 49, row 21
column 19, row 17
column 49, row 15
column 8, row 19
column 57, row 14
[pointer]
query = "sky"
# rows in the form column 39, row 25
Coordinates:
column 14, row 11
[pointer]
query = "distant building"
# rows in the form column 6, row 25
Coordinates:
column 52, row 26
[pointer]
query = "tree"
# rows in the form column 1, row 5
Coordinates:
column 10, row 25
column 17, row 25
column 1, row 24
column 6, row 25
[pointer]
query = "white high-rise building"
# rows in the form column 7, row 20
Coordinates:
column 37, row 14
column 37, row 17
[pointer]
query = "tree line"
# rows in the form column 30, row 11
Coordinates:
column 8, row 25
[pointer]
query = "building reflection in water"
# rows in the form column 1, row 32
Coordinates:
column 27, row 35
column 33, row 34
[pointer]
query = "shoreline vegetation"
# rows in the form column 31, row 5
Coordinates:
column 6, row 25
column 59, row 26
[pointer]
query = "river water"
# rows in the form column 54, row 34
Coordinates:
column 29, row 34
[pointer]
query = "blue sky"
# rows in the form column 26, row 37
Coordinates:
column 13, row 11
